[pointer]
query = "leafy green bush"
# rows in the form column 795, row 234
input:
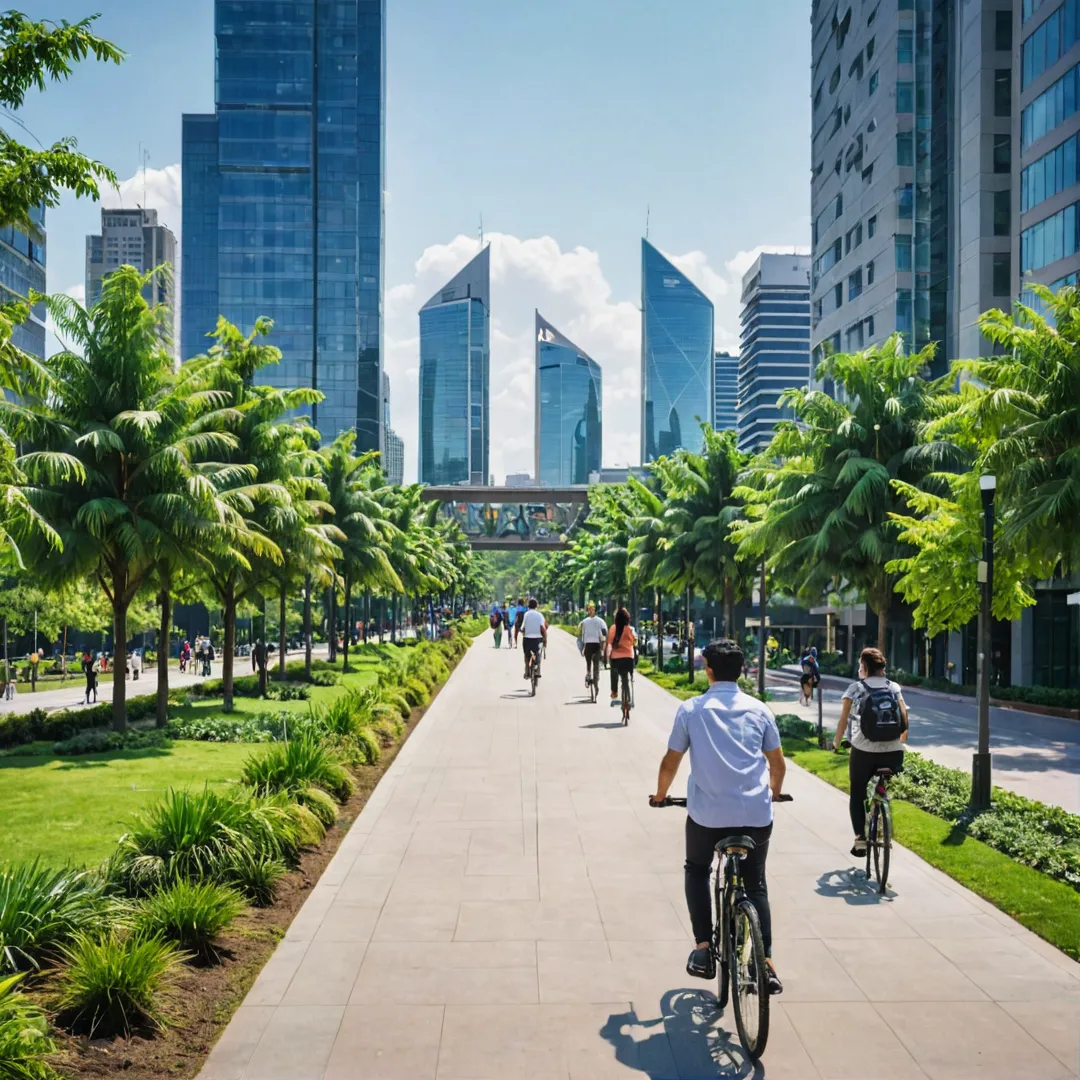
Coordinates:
column 367, row 742
column 300, row 763
column 24, row 1036
column 325, row 678
column 341, row 718
column 397, row 700
column 115, row 983
column 309, row 828
column 41, row 908
column 38, row 725
column 259, row 727
column 191, row 914
column 100, row 742
column 256, row 874
column 796, row 727
column 243, row 686
column 319, row 803
column 288, row 692
column 416, row 693
column 1052, row 696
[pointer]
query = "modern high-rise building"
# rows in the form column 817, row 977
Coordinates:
column 520, row 479
column 912, row 162
column 22, row 268
column 455, row 360
column 677, row 329
column 725, row 388
column 132, row 238
column 774, row 347
column 283, row 198
column 394, row 458
column 1046, row 131
column 569, row 399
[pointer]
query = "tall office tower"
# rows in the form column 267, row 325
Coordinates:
column 455, row 360
column 912, row 156
column 774, row 347
column 1048, row 132
column 725, row 388
column 519, row 479
column 394, row 458
column 132, row 238
column 283, row 198
column 22, row 268
column 569, row 397
column 676, row 357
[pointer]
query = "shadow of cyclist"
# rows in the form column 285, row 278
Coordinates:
column 852, row 886
column 687, row 1039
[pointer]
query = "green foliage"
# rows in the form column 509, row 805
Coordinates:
column 190, row 914
column 416, row 692
column 39, row 726
column 99, row 742
column 300, row 763
column 256, row 874
column 24, row 1036
column 399, row 701
column 41, row 908
column 258, row 727
column 367, row 743
column 287, row 692
column 320, row 803
column 116, row 983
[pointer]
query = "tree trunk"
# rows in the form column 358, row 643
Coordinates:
column 367, row 612
column 228, row 652
column 689, row 635
column 119, row 701
column 283, row 595
column 307, row 627
column 348, row 623
column 332, row 621
column 883, row 630
column 393, row 619
column 164, row 633
column 729, row 608
column 659, row 630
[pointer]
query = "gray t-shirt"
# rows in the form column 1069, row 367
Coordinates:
column 593, row 630
column 856, row 693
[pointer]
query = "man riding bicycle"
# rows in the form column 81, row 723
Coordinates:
column 736, row 770
column 519, row 618
column 534, row 630
column 592, row 633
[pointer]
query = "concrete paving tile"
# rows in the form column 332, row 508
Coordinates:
column 810, row 972
column 387, row 1043
column 637, row 918
column 466, row 887
column 353, row 923
column 959, row 1040
column 526, row 920
column 857, row 921
column 422, row 919
column 326, row 974
column 233, row 1050
column 1053, row 1024
column 366, row 889
column 953, row 926
column 390, row 983
column 296, row 1044
column 500, row 865
column 904, row 969
column 1007, row 970
column 272, row 982
column 309, row 918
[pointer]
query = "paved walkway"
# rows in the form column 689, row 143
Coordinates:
column 1033, row 755
column 508, row 907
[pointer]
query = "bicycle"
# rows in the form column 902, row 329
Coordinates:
column 737, row 946
column 879, row 828
column 534, row 671
column 627, row 696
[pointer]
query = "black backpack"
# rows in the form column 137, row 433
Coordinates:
column 880, row 719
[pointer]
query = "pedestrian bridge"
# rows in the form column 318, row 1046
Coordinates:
column 514, row 518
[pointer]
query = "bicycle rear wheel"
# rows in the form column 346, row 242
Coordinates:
column 749, row 980
column 879, row 844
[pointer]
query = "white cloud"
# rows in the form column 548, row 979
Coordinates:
column 741, row 262
column 152, row 189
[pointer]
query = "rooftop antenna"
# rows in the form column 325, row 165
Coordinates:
column 481, row 232
column 646, row 221
column 145, row 159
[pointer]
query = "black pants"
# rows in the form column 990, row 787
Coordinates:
column 618, row 665
column 700, row 852
column 591, row 652
column 531, row 647
column 862, row 764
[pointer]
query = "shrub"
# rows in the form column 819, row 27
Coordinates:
column 255, row 874
column 320, row 804
column 38, row 725
column 298, row 764
column 325, row 678
column 398, row 700
column 309, row 829
column 24, row 1036
column 194, row 835
column 115, row 983
column 100, row 742
column 260, row 727
column 341, row 718
column 416, row 693
column 41, row 908
column 287, row 692
column 368, row 744
column 191, row 914
column 796, row 727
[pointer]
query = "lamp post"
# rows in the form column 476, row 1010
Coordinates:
column 762, row 656
column 980, row 763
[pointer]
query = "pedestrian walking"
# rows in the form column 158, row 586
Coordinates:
column 91, row 677
column 34, row 659
column 210, row 657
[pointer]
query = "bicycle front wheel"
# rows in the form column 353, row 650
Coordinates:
column 749, row 980
column 879, row 843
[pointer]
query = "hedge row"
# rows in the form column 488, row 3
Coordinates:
column 19, row 728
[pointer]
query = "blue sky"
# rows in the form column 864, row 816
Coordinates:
column 559, row 122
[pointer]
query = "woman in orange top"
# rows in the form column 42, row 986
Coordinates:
column 621, row 640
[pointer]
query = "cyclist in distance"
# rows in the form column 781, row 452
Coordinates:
column 519, row 617
column 876, row 713
column 593, row 634
column 508, row 623
column 621, row 640
column 736, row 770
column 533, row 633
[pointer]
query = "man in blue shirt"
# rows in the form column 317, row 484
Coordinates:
column 736, row 770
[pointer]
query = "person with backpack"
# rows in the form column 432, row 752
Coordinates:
column 875, row 716
column 811, row 675
column 496, row 621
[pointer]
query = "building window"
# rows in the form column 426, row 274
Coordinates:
column 905, row 97
column 838, row 293
column 1052, row 107
column 905, row 148
column 838, row 117
column 871, row 226
column 817, row 309
column 869, row 50
column 839, row 207
column 903, row 252
column 904, row 322
column 1053, row 172
column 870, row 327
column 868, row 174
column 873, row 84
column 873, row 15
column 1002, row 274
column 856, row 68
column 905, row 204
column 1051, row 239
column 905, row 5
column 1003, row 30
column 854, row 284
column 870, row 272
column 905, row 47
column 1003, row 92
column 1003, row 212
column 817, row 96
column 1002, row 153
column 834, row 80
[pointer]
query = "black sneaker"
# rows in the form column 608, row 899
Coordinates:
column 858, row 849
column 701, row 964
column 775, row 985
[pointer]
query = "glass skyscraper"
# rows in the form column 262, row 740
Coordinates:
column 676, row 357
column 725, row 391
column 569, row 397
column 283, row 198
column 22, row 268
column 455, row 357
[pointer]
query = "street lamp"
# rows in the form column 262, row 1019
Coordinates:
column 980, row 763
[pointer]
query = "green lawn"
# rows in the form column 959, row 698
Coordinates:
column 1049, row 908
column 75, row 809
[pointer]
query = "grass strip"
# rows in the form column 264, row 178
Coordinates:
column 1047, row 907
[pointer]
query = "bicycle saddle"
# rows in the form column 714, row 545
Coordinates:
column 736, row 845
column 883, row 772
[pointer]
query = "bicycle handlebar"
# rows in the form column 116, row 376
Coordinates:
column 672, row 800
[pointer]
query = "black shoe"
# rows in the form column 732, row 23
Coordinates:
column 858, row 849
column 775, row 985
column 701, row 964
